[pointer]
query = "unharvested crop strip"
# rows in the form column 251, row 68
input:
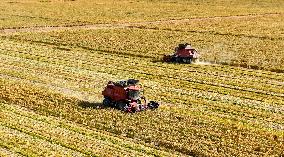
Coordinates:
column 211, row 33
column 111, row 26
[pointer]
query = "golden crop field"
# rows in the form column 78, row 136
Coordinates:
column 56, row 57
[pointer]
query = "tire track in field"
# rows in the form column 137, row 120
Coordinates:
column 11, row 31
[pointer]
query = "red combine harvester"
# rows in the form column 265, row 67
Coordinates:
column 125, row 95
column 184, row 53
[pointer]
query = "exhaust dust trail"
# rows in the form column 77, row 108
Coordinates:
column 204, row 63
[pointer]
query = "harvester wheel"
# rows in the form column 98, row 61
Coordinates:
column 106, row 102
column 188, row 60
column 153, row 105
column 121, row 105
column 177, row 59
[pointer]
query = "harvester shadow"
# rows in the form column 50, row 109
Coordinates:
column 161, row 61
column 87, row 104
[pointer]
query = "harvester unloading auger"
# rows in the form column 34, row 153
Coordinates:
column 184, row 53
column 125, row 95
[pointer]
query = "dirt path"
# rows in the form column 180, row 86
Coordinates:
column 10, row 31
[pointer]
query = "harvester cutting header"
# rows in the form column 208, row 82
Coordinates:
column 184, row 53
column 125, row 95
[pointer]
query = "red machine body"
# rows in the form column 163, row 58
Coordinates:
column 183, row 53
column 117, row 92
column 125, row 95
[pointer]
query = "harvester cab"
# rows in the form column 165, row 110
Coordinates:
column 184, row 53
column 125, row 95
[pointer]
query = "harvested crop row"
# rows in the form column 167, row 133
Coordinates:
column 28, row 145
column 234, row 50
column 54, row 51
column 91, row 81
column 65, row 134
column 193, row 77
column 193, row 82
column 194, row 100
column 198, row 79
column 86, row 117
